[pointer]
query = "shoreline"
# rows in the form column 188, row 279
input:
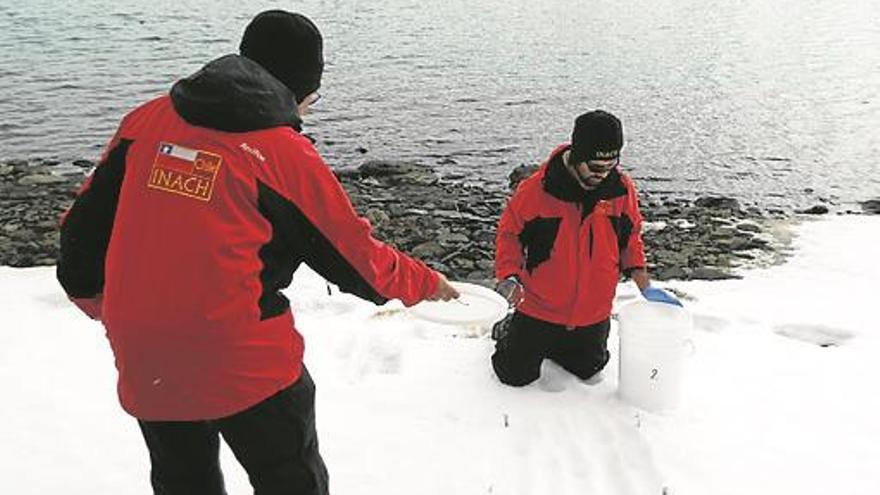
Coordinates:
column 446, row 221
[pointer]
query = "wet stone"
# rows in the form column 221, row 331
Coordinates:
column 377, row 216
column 447, row 222
column 710, row 273
column 37, row 179
column 717, row 203
column 428, row 250
column 815, row 210
column 871, row 206
column 673, row 272
column 85, row 164
column 749, row 227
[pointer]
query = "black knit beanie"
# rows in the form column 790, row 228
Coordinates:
column 289, row 46
column 597, row 135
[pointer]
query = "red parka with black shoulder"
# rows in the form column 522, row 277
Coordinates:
column 568, row 246
column 204, row 204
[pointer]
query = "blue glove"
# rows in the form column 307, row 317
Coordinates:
column 659, row 295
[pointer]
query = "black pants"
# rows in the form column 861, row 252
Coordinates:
column 524, row 344
column 275, row 441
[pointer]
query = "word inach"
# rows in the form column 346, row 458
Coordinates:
column 184, row 171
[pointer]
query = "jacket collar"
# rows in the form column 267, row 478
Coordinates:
column 559, row 183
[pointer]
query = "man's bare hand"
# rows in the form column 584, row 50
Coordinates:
column 444, row 291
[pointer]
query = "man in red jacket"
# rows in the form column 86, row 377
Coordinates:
column 566, row 235
column 203, row 205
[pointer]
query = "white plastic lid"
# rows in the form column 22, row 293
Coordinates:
column 477, row 305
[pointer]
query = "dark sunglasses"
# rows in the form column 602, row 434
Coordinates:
column 602, row 166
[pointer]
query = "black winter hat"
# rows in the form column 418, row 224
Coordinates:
column 597, row 135
column 289, row 46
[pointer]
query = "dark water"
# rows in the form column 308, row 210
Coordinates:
column 775, row 102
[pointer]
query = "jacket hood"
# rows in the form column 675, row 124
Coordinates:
column 235, row 94
column 559, row 183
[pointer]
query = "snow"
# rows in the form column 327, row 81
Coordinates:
column 779, row 398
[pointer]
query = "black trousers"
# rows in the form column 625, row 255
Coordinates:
column 523, row 345
column 275, row 441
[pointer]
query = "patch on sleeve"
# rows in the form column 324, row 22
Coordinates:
column 184, row 171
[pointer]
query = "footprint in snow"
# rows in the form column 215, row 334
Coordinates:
column 54, row 300
column 711, row 324
column 820, row 335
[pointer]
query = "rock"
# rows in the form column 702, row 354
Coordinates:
column 447, row 222
column 871, row 206
column 521, row 173
column 383, row 168
column 653, row 226
column 758, row 243
column 45, row 225
column 463, row 264
column 815, row 210
column 447, row 214
column 485, row 237
column 717, row 203
column 23, row 235
column 487, row 266
column 348, row 172
column 479, row 277
column 17, row 163
column 748, row 227
column 675, row 272
column 454, row 176
column 440, row 267
column 709, row 273
column 377, row 216
column 755, row 212
column 740, row 244
column 428, row 251
column 37, row 179
column 452, row 238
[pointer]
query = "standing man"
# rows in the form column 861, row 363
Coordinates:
column 566, row 235
column 203, row 205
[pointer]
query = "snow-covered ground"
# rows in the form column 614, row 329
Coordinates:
column 410, row 407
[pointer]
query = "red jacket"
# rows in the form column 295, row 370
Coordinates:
column 568, row 247
column 203, row 206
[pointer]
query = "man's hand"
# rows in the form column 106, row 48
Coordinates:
column 659, row 295
column 511, row 289
column 444, row 291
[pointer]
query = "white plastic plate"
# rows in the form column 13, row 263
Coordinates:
column 477, row 305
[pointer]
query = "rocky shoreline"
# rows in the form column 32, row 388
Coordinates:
column 447, row 221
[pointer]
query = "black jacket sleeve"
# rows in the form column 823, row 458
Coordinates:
column 87, row 225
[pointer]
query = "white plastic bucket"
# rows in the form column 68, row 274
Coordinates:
column 654, row 341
